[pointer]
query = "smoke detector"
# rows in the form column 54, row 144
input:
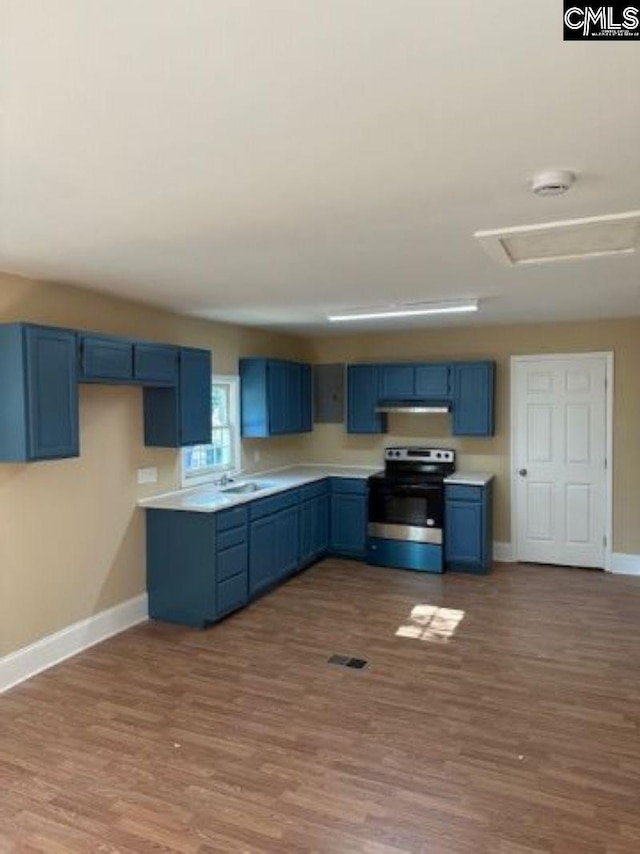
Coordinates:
column 553, row 183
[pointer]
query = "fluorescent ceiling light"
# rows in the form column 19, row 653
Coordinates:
column 415, row 310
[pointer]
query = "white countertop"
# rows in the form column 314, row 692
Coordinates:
column 469, row 478
column 209, row 498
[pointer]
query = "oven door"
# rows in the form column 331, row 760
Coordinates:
column 410, row 512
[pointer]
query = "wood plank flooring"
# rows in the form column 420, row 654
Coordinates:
column 502, row 717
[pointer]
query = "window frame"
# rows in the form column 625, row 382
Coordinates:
column 213, row 473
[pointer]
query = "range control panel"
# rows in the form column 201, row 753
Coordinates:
column 423, row 455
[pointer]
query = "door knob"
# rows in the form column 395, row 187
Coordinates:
column 522, row 472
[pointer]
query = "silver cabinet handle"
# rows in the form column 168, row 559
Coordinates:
column 523, row 472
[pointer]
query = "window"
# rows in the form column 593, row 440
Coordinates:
column 201, row 463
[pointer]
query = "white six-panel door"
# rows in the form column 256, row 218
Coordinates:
column 559, row 453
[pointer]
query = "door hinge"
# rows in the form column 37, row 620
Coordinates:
column 606, row 463
column 604, row 541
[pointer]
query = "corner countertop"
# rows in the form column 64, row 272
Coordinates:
column 469, row 478
column 209, row 498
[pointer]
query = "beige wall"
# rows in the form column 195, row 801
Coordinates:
column 72, row 540
column 622, row 337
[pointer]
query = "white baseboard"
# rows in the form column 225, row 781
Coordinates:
column 52, row 649
column 503, row 552
column 622, row 564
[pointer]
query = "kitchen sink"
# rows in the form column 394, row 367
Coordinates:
column 244, row 488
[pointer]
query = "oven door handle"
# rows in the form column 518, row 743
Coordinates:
column 418, row 489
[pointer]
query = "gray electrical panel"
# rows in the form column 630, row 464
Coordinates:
column 328, row 394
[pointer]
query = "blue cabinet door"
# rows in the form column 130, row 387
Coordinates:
column 321, row 529
column 473, row 399
column 348, row 524
column 308, row 526
column 262, row 553
column 52, row 393
column 463, row 532
column 397, row 382
column 306, row 399
column 279, row 398
column 106, row 359
column 287, row 542
column 363, row 394
column 294, row 398
column 195, row 397
column 155, row 363
column 433, row 381
column 468, row 528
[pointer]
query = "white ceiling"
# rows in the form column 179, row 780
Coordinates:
column 265, row 161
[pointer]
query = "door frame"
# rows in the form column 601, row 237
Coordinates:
column 608, row 486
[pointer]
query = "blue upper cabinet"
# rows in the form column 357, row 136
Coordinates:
column 155, row 364
column 433, row 381
column 397, row 382
column 468, row 387
column 110, row 360
column 39, row 393
column 105, row 359
column 306, row 418
column 275, row 397
column 415, row 382
column 363, row 394
column 180, row 416
column 473, row 401
column 195, row 403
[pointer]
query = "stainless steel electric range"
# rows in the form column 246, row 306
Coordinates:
column 406, row 509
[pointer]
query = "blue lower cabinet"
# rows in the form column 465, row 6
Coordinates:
column 181, row 567
column 274, row 549
column 348, row 524
column 203, row 566
column 468, row 528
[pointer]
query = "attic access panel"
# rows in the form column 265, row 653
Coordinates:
column 566, row 240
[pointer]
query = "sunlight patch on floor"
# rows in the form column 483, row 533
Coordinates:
column 431, row 623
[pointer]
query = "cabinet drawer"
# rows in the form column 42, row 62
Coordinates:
column 463, row 493
column 232, row 593
column 314, row 490
column 231, row 561
column 266, row 506
column 232, row 537
column 357, row 486
column 231, row 518
column 155, row 363
column 106, row 358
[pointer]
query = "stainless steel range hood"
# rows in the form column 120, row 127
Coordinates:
column 419, row 407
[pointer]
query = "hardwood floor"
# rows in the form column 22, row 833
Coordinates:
column 503, row 718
